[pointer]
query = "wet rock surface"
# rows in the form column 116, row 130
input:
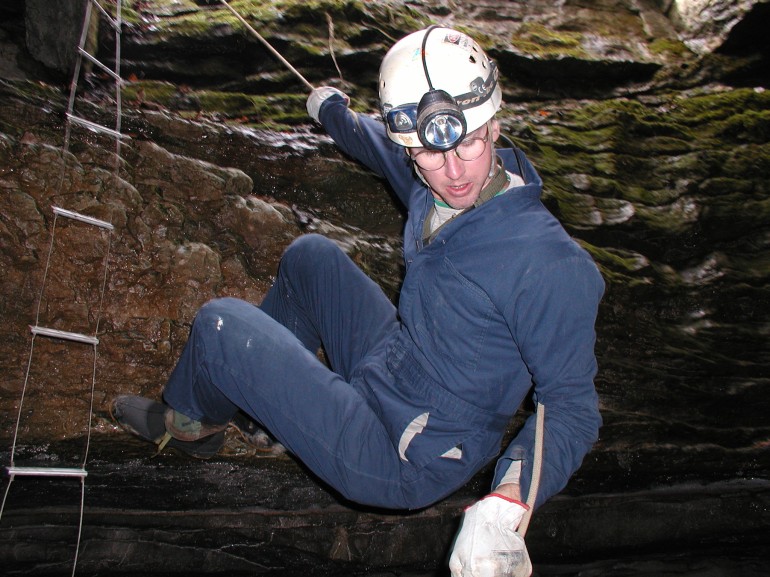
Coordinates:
column 252, row 513
column 653, row 145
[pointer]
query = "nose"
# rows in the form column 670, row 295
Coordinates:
column 455, row 166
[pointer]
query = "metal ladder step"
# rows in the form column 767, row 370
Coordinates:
column 96, row 127
column 64, row 335
column 112, row 22
column 101, row 66
column 14, row 471
column 11, row 470
column 82, row 218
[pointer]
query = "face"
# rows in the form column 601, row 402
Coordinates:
column 459, row 182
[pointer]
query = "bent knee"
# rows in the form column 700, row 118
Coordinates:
column 220, row 308
column 310, row 244
column 310, row 250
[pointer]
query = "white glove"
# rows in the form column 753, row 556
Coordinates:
column 317, row 96
column 488, row 544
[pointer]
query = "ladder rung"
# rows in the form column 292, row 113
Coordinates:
column 110, row 19
column 45, row 472
column 95, row 127
column 82, row 218
column 100, row 65
column 65, row 335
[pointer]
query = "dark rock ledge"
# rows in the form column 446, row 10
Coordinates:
column 249, row 513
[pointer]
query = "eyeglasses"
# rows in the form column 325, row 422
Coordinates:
column 469, row 149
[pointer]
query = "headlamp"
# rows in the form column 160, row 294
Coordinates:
column 438, row 118
column 440, row 122
column 402, row 118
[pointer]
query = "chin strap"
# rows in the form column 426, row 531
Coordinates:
column 498, row 184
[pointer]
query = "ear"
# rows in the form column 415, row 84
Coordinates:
column 495, row 128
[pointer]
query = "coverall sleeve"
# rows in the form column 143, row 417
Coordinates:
column 365, row 139
column 553, row 321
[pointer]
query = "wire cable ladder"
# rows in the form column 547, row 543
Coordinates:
column 12, row 470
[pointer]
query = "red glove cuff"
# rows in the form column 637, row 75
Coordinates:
column 504, row 498
column 515, row 501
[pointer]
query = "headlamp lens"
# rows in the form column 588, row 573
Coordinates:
column 440, row 122
column 402, row 118
column 443, row 132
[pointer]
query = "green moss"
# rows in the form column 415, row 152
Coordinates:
column 698, row 110
column 674, row 218
column 348, row 17
column 136, row 93
column 750, row 126
column 751, row 162
column 670, row 47
column 312, row 9
column 725, row 186
column 631, row 138
column 38, row 92
column 534, row 38
column 619, row 265
column 272, row 110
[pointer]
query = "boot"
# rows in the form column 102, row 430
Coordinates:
column 160, row 424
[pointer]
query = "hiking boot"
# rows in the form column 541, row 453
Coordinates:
column 160, row 424
column 183, row 428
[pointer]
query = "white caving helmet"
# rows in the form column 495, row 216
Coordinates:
column 436, row 85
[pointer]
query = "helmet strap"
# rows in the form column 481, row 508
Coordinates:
column 441, row 124
column 493, row 160
column 498, row 184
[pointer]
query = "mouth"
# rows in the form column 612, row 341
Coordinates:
column 459, row 189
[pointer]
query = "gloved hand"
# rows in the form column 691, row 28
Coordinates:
column 488, row 544
column 317, row 96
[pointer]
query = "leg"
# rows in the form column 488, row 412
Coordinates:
column 325, row 299
column 238, row 356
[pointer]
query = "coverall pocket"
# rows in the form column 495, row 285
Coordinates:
column 454, row 466
column 416, row 449
column 426, row 438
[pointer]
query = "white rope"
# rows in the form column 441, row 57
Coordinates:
column 267, row 45
column 5, row 496
column 536, row 467
column 80, row 522
column 118, row 87
column 331, row 45
column 74, row 89
column 107, row 228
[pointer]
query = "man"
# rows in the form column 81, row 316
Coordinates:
column 415, row 400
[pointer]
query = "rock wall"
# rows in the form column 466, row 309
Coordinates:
column 649, row 124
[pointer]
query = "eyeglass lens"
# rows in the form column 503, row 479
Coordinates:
column 469, row 149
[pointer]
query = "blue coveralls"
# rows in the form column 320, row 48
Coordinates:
column 417, row 399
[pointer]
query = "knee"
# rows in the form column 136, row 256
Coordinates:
column 309, row 250
column 216, row 310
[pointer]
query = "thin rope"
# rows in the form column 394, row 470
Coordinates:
column 45, row 270
column 267, row 45
column 96, row 333
column 5, row 496
column 536, row 468
column 73, row 91
column 116, row 24
column 80, row 524
column 118, row 88
column 32, row 345
column 331, row 45
column 21, row 400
